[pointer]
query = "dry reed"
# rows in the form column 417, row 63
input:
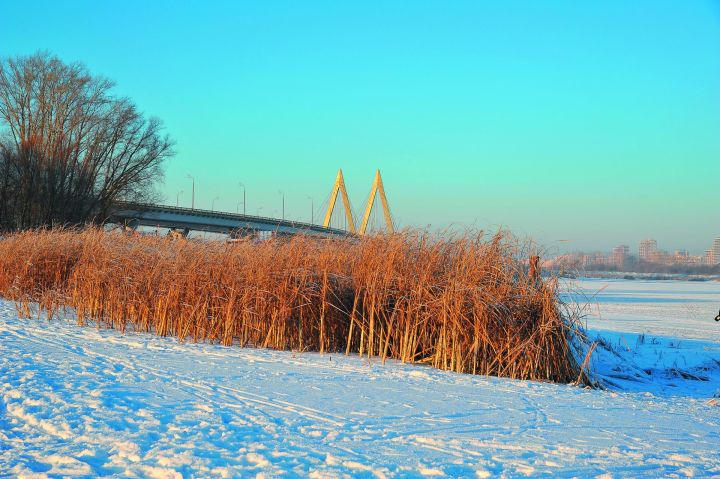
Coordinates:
column 463, row 304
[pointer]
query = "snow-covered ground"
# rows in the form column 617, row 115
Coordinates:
column 657, row 336
column 81, row 402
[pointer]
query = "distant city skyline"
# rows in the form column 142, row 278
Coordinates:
column 649, row 251
column 583, row 126
column 635, row 247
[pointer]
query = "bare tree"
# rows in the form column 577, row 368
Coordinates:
column 68, row 148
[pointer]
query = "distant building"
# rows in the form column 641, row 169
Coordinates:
column 685, row 258
column 681, row 256
column 712, row 256
column 647, row 250
column 620, row 255
column 709, row 257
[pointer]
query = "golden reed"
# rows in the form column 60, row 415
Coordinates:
column 464, row 304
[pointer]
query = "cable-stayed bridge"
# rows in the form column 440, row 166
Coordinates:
column 184, row 220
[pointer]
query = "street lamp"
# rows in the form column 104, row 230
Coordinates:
column 257, row 213
column 213, row 203
column 177, row 198
column 243, row 187
column 283, row 204
column 193, row 191
column 312, row 210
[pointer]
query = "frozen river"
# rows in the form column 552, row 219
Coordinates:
column 684, row 309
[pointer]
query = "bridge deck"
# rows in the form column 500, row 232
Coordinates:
column 212, row 221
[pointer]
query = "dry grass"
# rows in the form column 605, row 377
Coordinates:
column 464, row 304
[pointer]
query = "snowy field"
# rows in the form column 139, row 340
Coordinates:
column 80, row 402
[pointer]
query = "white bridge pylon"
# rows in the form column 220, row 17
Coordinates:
column 377, row 189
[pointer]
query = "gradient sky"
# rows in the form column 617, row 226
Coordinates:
column 594, row 123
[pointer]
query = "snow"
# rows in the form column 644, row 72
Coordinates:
column 683, row 309
column 656, row 336
column 81, row 402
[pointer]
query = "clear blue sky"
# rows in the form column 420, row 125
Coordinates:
column 596, row 122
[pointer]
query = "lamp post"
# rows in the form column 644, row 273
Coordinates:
column 213, row 203
column 257, row 213
column 177, row 198
column 283, row 204
column 243, row 187
column 193, row 191
column 312, row 210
